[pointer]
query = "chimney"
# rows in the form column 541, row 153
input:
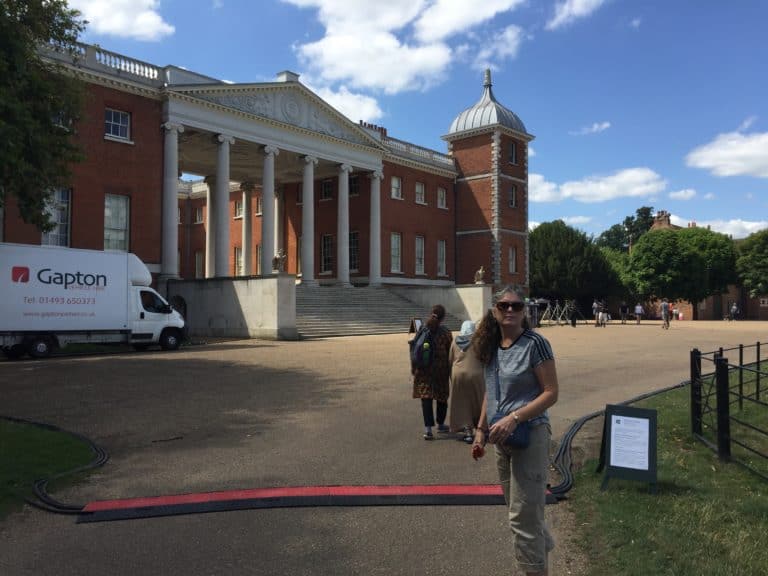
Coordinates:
column 287, row 76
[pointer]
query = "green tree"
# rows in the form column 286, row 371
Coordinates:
column 566, row 265
column 752, row 263
column 640, row 223
column 655, row 264
column 622, row 236
column 688, row 264
column 619, row 263
column 38, row 104
column 710, row 264
column 615, row 238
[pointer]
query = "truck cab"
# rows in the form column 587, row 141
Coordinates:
column 154, row 320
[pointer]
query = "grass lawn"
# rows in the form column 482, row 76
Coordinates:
column 29, row 453
column 707, row 518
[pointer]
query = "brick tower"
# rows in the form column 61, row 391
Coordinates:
column 489, row 144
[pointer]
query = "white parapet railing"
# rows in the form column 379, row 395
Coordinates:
column 90, row 57
column 406, row 148
column 122, row 64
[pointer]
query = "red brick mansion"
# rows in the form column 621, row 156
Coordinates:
column 278, row 171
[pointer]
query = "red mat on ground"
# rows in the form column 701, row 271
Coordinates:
column 296, row 496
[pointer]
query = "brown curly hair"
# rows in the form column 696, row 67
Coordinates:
column 438, row 314
column 487, row 336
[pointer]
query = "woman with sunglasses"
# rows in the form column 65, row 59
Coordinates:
column 521, row 384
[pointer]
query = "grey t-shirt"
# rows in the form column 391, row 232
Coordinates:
column 517, row 384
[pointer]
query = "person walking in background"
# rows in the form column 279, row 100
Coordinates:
column 624, row 312
column 638, row 312
column 664, row 314
column 521, row 384
column 431, row 383
column 596, row 311
column 603, row 314
column 467, row 384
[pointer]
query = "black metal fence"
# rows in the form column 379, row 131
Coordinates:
column 729, row 406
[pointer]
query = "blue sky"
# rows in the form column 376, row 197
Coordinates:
column 632, row 102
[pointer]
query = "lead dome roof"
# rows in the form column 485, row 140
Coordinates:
column 486, row 113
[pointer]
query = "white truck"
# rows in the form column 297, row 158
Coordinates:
column 51, row 297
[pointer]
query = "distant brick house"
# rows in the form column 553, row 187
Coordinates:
column 717, row 306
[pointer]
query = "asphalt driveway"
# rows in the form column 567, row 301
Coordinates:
column 251, row 414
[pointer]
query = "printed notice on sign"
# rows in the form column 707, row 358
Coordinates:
column 629, row 442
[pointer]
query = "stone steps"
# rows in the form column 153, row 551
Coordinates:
column 326, row 311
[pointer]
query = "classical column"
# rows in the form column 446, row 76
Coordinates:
column 247, row 242
column 169, row 265
column 374, row 243
column 308, row 222
column 221, row 248
column 279, row 218
column 342, row 227
column 268, row 210
column 210, row 226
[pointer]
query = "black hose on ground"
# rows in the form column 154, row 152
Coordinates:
column 44, row 500
column 562, row 460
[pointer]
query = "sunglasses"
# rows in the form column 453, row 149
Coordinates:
column 515, row 306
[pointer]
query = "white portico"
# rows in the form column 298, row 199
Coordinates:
column 264, row 134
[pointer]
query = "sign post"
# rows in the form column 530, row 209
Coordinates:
column 414, row 325
column 628, row 449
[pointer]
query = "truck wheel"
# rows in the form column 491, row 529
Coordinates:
column 170, row 340
column 40, row 347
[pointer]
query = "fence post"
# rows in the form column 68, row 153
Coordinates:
column 723, row 409
column 696, row 391
column 741, row 377
column 757, row 374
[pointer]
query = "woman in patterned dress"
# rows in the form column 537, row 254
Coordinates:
column 431, row 384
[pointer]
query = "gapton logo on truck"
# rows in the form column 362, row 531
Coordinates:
column 66, row 279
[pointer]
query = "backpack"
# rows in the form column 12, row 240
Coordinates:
column 422, row 349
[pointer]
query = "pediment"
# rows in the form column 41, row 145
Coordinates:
column 291, row 104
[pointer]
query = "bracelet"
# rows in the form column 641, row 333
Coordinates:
column 515, row 418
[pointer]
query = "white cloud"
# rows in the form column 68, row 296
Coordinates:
column 379, row 61
column 444, row 18
column 735, row 228
column 138, row 19
column 400, row 45
column 593, row 129
column 635, row 23
column 531, row 152
column 709, row 196
column 733, row 154
column 576, row 220
column 746, row 124
column 356, row 107
column 568, row 11
column 503, row 45
column 686, row 194
column 539, row 190
column 627, row 183
column 533, row 225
